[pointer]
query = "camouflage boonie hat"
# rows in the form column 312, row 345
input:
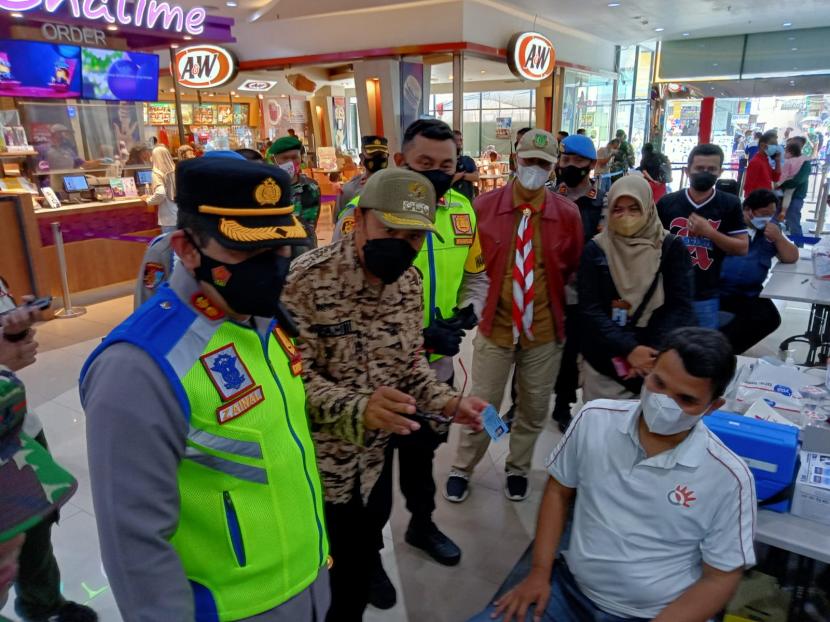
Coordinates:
column 32, row 484
column 401, row 199
column 538, row 144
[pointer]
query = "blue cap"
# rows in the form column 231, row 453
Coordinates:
column 224, row 153
column 579, row 145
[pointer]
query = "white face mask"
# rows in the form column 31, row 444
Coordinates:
column 532, row 177
column 663, row 415
column 289, row 168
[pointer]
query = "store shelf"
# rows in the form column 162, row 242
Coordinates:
column 17, row 154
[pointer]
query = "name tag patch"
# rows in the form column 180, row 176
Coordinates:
column 240, row 405
column 153, row 275
column 333, row 330
column 227, row 372
column 463, row 241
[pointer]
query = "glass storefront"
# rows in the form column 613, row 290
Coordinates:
column 633, row 106
column 491, row 118
column 587, row 103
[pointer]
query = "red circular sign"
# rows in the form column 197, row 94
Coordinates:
column 531, row 56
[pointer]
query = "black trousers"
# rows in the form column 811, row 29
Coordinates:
column 415, row 456
column 755, row 318
column 39, row 579
column 353, row 548
column 568, row 379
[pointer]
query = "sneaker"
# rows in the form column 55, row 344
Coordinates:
column 457, row 488
column 516, row 488
column 382, row 594
column 429, row 538
column 68, row 612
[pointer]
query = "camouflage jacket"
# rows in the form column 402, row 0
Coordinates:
column 354, row 338
column 306, row 197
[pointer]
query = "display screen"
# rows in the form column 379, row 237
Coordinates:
column 144, row 177
column 75, row 183
column 44, row 70
column 119, row 75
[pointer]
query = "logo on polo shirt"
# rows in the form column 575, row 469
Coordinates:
column 699, row 247
column 681, row 495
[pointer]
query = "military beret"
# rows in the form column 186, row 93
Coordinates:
column 286, row 143
column 244, row 205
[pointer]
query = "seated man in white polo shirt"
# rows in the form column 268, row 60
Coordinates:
column 664, row 519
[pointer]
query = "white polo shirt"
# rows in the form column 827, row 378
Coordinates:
column 643, row 525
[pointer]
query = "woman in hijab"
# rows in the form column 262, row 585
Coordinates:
column 164, row 188
column 635, row 286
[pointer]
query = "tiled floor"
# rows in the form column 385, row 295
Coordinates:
column 491, row 531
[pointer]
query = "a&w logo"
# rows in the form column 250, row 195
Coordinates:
column 204, row 66
column 531, row 56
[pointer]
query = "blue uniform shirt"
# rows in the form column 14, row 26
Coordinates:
column 744, row 275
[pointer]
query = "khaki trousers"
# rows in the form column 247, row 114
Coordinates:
column 596, row 386
column 536, row 371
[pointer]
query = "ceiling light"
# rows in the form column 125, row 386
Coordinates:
column 792, row 82
column 17, row 15
column 659, row 29
column 112, row 27
column 233, row 92
column 237, row 96
column 685, row 34
column 175, row 46
column 793, row 49
column 714, row 64
column 790, row 38
column 187, row 37
column 283, row 95
column 450, row 76
column 231, row 3
column 711, row 88
column 211, row 94
column 261, row 96
column 483, row 72
column 613, row 5
column 787, row 24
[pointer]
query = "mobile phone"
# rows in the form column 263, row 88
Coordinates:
column 38, row 303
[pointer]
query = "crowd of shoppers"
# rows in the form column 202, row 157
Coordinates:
column 273, row 457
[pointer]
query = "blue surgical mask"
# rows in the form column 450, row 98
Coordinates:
column 759, row 222
column 772, row 150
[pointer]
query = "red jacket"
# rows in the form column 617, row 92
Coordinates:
column 562, row 238
column 759, row 174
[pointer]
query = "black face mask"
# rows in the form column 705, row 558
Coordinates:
column 440, row 180
column 572, row 176
column 388, row 258
column 702, row 181
column 376, row 162
column 250, row 287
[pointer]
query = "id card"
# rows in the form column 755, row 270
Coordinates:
column 493, row 423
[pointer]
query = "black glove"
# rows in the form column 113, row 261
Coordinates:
column 465, row 318
column 443, row 337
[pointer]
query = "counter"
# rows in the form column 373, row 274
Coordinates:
column 104, row 243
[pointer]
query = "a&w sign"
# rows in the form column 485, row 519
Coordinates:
column 204, row 66
column 530, row 56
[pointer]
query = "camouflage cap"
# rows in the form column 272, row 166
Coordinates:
column 32, row 484
column 401, row 199
column 538, row 144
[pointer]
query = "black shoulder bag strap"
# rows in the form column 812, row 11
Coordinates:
column 650, row 292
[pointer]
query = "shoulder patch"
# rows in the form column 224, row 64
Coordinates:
column 204, row 306
column 295, row 359
column 347, row 225
column 153, row 274
column 461, row 224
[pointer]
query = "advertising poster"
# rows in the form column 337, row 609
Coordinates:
column 44, row 70
column 297, row 107
column 273, row 112
column 204, row 114
column 412, row 105
column 339, row 117
column 161, row 114
column 225, row 114
column 119, row 75
column 241, row 114
column 503, row 127
column 327, row 158
column 124, row 121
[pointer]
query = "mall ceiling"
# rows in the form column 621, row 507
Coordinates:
column 620, row 21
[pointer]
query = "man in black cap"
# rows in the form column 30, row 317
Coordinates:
column 205, row 486
column 374, row 157
column 286, row 153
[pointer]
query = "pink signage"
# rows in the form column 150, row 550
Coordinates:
column 141, row 13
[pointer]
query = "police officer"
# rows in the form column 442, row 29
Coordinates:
column 286, row 153
column 360, row 310
column 577, row 158
column 205, row 486
column 374, row 157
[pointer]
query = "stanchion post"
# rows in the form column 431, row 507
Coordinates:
column 821, row 208
column 68, row 310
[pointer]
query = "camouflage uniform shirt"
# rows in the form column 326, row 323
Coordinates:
column 306, row 198
column 354, row 338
